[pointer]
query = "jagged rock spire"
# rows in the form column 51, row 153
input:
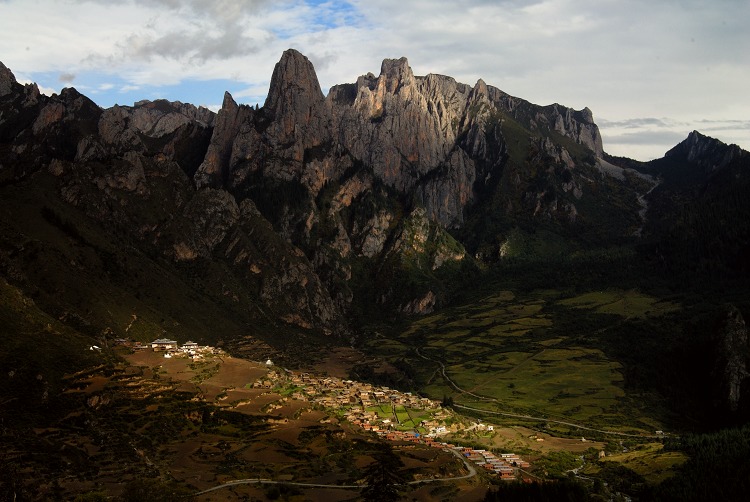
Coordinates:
column 294, row 86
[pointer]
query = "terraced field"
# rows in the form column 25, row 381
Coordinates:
column 534, row 355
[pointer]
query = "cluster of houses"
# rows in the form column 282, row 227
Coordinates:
column 354, row 398
column 505, row 466
column 173, row 349
column 372, row 421
column 332, row 392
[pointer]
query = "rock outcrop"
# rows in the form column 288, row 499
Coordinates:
column 733, row 361
column 214, row 170
column 295, row 107
column 7, row 80
column 429, row 137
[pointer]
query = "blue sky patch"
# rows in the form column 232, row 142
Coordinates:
column 107, row 90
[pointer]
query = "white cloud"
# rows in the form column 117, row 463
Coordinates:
column 214, row 107
column 682, row 59
column 66, row 78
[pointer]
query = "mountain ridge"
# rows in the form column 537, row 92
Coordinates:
column 339, row 177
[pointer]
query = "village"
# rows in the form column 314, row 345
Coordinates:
column 391, row 414
column 172, row 348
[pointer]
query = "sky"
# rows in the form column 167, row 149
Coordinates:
column 651, row 71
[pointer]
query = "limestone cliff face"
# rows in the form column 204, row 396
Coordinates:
column 440, row 139
column 431, row 139
column 406, row 129
column 578, row 125
column 287, row 139
column 214, row 171
column 299, row 117
column 398, row 124
column 178, row 131
column 426, row 137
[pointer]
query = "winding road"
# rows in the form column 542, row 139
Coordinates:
column 451, row 382
column 262, row 481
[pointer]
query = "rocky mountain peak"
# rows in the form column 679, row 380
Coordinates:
column 77, row 103
column 480, row 88
column 7, row 79
column 707, row 152
column 376, row 94
column 214, row 169
column 228, row 102
column 587, row 115
column 300, row 118
column 396, row 73
column 294, row 85
column 691, row 146
column 161, row 106
column 579, row 125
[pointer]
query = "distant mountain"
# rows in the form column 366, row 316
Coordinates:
column 699, row 221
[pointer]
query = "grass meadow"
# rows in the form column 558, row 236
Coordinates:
column 534, row 354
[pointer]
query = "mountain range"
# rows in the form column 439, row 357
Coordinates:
column 281, row 229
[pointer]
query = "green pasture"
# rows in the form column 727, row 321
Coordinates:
column 623, row 303
column 383, row 410
column 531, row 354
column 649, row 460
column 407, row 418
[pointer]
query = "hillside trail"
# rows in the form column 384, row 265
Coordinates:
column 644, row 207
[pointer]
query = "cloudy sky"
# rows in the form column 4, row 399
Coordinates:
column 650, row 70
